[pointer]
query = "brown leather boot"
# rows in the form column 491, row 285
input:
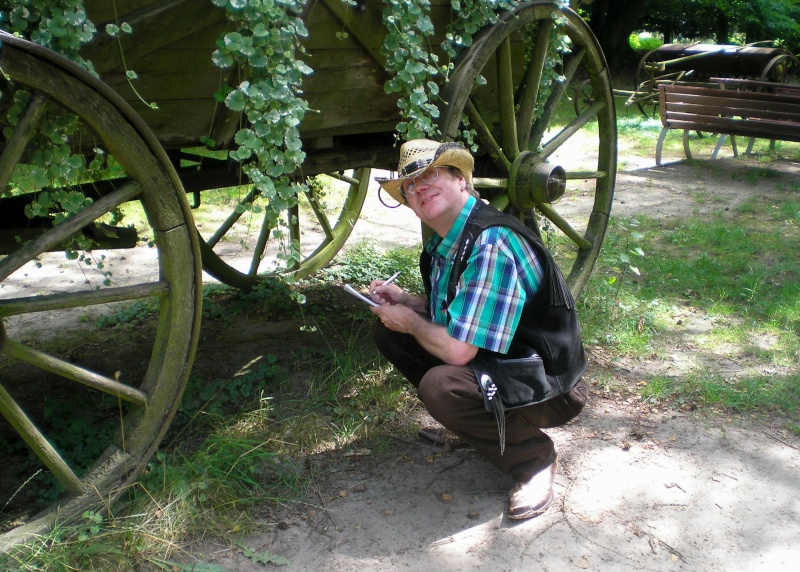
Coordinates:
column 532, row 497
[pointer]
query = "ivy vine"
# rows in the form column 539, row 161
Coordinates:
column 61, row 25
column 265, row 47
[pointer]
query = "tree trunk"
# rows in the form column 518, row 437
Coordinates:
column 723, row 28
column 612, row 21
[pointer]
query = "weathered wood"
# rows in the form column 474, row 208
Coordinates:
column 754, row 114
column 155, row 26
column 63, row 231
column 363, row 22
column 81, row 375
column 176, row 341
column 15, row 147
column 14, row 306
column 34, row 438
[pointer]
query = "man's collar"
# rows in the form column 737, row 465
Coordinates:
column 452, row 235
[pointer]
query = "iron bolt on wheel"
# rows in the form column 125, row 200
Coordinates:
column 144, row 396
column 534, row 156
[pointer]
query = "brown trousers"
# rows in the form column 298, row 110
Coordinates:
column 452, row 397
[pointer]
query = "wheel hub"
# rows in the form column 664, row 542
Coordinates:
column 532, row 182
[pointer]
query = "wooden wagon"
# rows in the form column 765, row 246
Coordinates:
column 528, row 160
column 696, row 64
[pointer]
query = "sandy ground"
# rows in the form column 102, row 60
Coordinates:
column 637, row 488
column 634, row 492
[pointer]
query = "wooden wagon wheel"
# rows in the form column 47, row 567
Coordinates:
column 583, row 97
column 649, row 74
column 144, row 396
column 521, row 162
column 236, row 252
column 784, row 68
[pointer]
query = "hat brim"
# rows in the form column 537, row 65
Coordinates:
column 447, row 155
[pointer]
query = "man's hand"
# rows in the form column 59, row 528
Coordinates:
column 433, row 337
column 392, row 294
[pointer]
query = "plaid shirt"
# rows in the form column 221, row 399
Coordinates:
column 501, row 274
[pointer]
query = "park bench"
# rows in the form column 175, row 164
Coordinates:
column 753, row 109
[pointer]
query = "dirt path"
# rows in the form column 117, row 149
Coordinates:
column 637, row 489
column 635, row 492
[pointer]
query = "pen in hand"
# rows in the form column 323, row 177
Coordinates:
column 390, row 279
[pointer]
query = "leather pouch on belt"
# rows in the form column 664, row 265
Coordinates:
column 511, row 383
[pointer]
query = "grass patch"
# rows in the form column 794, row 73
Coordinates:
column 728, row 288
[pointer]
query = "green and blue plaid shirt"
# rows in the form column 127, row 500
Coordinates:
column 501, row 274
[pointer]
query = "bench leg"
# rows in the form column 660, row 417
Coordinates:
column 686, row 148
column 659, row 144
column 750, row 143
column 720, row 141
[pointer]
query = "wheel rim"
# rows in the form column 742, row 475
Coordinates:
column 784, row 68
column 646, row 87
column 517, row 157
column 152, row 390
column 238, row 251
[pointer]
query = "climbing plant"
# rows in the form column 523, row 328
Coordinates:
column 265, row 46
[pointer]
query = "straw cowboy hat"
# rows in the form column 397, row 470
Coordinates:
column 420, row 154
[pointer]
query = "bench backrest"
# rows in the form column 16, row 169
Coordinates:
column 717, row 110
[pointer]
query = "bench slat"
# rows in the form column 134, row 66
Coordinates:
column 720, row 101
column 778, row 130
column 705, row 109
column 763, row 115
column 790, row 97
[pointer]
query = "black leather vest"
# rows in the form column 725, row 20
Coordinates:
column 549, row 323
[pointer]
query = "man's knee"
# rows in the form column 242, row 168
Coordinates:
column 448, row 390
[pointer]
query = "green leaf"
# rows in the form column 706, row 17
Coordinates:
column 235, row 101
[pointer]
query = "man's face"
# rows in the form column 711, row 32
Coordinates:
column 437, row 195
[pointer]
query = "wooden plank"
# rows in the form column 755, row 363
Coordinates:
column 709, row 109
column 101, row 12
column 730, row 94
column 155, row 26
column 783, row 132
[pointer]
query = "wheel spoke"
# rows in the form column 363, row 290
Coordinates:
column 294, row 230
column 538, row 129
column 572, row 175
column 564, row 226
column 70, row 371
column 532, row 81
column 233, row 218
column 39, row 443
column 14, row 306
column 322, row 218
column 22, row 134
column 568, row 131
column 65, row 230
column 505, row 93
column 261, row 244
column 486, row 138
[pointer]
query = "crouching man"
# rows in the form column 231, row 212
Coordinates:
column 494, row 347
